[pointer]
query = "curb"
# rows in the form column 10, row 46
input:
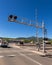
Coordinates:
column 37, row 52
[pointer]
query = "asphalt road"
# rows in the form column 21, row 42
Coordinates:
column 22, row 56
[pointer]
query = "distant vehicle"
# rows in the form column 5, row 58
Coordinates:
column 0, row 42
column 3, row 43
column 21, row 43
column 47, row 42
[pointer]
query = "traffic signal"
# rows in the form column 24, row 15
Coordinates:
column 12, row 18
column 45, row 38
column 15, row 17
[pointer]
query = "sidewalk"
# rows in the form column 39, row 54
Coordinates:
column 34, row 50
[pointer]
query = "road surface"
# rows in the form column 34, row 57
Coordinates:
column 22, row 56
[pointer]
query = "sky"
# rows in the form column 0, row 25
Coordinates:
column 26, row 9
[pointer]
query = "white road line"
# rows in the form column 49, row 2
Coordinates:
column 8, row 51
column 11, row 55
column 40, row 53
column 29, row 54
column 1, row 56
column 29, row 58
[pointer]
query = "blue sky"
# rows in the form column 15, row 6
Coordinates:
column 26, row 9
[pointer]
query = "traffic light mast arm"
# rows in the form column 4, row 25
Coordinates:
column 24, row 21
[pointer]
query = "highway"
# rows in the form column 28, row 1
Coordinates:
column 22, row 55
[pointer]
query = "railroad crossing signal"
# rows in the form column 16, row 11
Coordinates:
column 24, row 21
column 17, row 19
column 12, row 18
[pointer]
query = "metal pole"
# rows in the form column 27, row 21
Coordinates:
column 43, row 28
column 37, row 40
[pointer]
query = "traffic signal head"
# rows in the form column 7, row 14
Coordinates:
column 11, row 16
column 45, row 38
column 15, row 17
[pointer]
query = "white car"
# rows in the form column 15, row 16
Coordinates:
column 0, row 42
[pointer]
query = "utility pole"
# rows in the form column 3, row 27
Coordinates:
column 37, row 39
column 44, row 34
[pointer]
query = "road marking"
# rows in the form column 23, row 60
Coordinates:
column 11, row 55
column 16, row 46
column 29, row 58
column 8, row 51
column 1, row 56
column 37, row 52
column 29, row 54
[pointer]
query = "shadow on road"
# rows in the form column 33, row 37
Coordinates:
column 5, row 47
column 47, row 55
